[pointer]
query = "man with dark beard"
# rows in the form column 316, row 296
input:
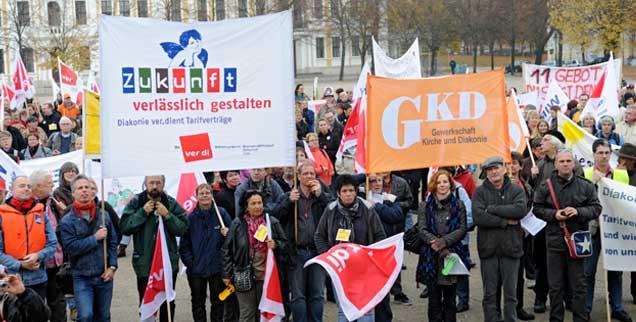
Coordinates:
column 140, row 220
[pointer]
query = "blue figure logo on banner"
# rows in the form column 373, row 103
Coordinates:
column 188, row 52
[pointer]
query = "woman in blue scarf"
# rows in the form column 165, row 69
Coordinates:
column 442, row 223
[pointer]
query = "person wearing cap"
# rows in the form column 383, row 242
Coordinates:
column 626, row 124
column 69, row 109
column 602, row 150
column 627, row 161
column 497, row 206
column 606, row 130
column 575, row 206
column 50, row 119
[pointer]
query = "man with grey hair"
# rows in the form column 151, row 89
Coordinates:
column 497, row 207
column 626, row 125
column 42, row 185
column 27, row 239
column 140, row 220
column 573, row 204
column 63, row 141
column 551, row 143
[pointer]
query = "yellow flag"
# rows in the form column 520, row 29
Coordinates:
column 92, row 145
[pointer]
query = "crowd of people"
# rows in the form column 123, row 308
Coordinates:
column 53, row 238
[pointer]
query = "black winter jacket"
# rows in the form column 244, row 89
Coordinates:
column 576, row 192
column 491, row 210
column 236, row 247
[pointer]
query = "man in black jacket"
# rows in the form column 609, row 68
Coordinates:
column 498, row 205
column 349, row 219
column 306, row 284
column 577, row 203
column 225, row 198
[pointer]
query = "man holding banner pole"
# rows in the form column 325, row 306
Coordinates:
column 602, row 150
column 567, row 203
column 310, row 197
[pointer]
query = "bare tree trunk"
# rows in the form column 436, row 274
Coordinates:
column 433, row 63
column 343, row 52
column 492, row 55
column 513, row 35
column 475, row 59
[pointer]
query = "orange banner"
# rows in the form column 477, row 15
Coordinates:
column 442, row 121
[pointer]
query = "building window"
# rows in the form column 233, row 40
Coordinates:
column 24, row 18
column 355, row 46
column 335, row 46
column 259, row 7
column 175, row 10
column 202, row 10
column 28, row 59
column 53, row 10
column 80, row 12
column 219, row 8
column 335, row 10
column 242, row 8
column 142, row 8
column 1, row 61
column 320, row 47
column 318, row 9
column 124, row 8
column 107, row 7
column 298, row 14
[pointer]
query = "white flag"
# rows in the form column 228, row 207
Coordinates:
column 554, row 96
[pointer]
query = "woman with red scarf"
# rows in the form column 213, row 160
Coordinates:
column 321, row 161
column 245, row 249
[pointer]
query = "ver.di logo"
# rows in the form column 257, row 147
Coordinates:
column 187, row 72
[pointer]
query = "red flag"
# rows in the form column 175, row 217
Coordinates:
column 362, row 275
column 271, row 305
column 8, row 94
column 159, row 287
column 354, row 134
column 70, row 83
column 22, row 83
column 186, row 191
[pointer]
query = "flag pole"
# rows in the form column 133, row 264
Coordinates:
column 216, row 209
column 104, row 226
column 296, row 206
column 605, row 283
column 534, row 164
column 84, row 133
column 168, row 306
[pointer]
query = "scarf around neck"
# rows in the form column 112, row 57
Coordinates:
column 83, row 207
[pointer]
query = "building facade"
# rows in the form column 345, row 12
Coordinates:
column 39, row 26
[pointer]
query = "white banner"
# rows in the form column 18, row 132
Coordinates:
column 196, row 97
column 618, row 225
column 407, row 66
column 573, row 80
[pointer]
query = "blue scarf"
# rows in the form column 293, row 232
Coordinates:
column 428, row 262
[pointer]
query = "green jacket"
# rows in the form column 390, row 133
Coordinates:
column 134, row 221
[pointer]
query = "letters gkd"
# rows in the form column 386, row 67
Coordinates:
column 437, row 110
column 178, row 80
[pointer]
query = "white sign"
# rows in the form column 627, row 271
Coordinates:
column 407, row 66
column 580, row 142
column 573, row 80
column 618, row 225
column 196, row 97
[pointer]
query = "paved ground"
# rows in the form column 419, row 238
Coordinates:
column 124, row 307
